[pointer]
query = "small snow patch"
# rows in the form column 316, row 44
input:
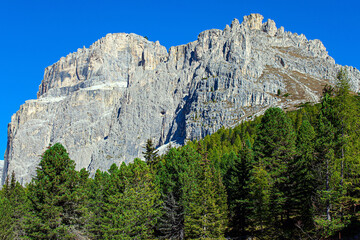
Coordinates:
column 164, row 148
column 107, row 86
column 46, row 99
column 52, row 99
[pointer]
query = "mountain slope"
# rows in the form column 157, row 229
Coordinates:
column 104, row 102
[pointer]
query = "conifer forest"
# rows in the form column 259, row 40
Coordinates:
column 284, row 175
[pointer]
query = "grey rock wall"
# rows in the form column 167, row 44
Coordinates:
column 1, row 167
column 104, row 102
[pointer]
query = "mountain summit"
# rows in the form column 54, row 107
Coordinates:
column 104, row 102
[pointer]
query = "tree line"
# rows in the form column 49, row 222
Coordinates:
column 291, row 175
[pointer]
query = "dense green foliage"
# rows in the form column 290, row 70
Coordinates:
column 56, row 204
column 292, row 175
column 13, row 203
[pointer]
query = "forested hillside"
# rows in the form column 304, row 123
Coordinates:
column 291, row 175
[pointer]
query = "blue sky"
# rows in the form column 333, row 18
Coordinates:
column 35, row 34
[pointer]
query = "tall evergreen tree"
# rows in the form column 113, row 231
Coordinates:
column 304, row 181
column 275, row 150
column 151, row 154
column 236, row 181
column 133, row 211
column 174, row 173
column 347, row 115
column 12, row 209
column 338, row 148
column 329, row 189
column 260, row 205
column 97, row 205
column 55, row 210
column 205, row 201
column 172, row 221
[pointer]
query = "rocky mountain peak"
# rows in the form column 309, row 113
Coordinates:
column 270, row 28
column 253, row 21
column 84, row 68
column 103, row 102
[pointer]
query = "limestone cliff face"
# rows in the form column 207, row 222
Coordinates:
column 104, row 102
column 1, row 167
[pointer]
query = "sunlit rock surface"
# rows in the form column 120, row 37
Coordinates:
column 104, row 102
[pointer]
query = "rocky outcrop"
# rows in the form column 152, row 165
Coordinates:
column 104, row 102
column 1, row 167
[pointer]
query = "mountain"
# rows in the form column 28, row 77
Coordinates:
column 103, row 102
column 1, row 167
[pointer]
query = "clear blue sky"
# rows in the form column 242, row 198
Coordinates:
column 35, row 34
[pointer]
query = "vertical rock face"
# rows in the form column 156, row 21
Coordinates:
column 1, row 167
column 104, row 102
column 253, row 21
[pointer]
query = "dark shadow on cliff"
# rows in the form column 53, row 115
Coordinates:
column 180, row 123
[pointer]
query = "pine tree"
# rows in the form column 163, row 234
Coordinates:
column 97, row 205
column 274, row 149
column 338, row 147
column 236, row 181
column 172, row 221
column 205, row 201
column 12, row 209
column 343, row 119
column 260, row 190
column 82, row 193
column 6, row 221
column 304, row 177
column 328, row 189
column 347, row 115
column 173, row 176
column 151, row 154
column 54, row 205
column 134, row 210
